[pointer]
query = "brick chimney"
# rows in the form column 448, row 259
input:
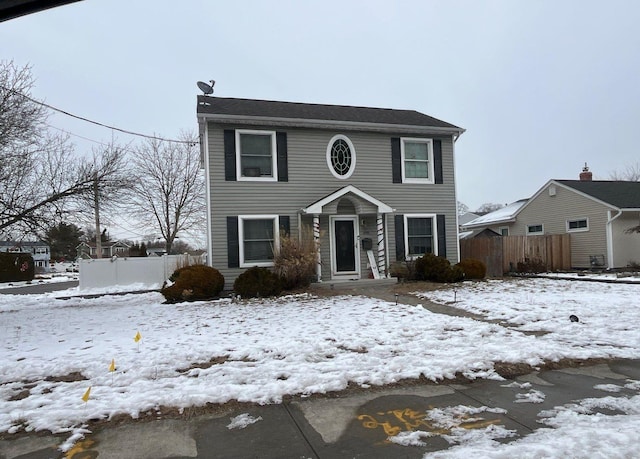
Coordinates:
column 586, row 175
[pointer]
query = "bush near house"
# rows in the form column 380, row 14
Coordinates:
column 257, row 282
column 16, row 267
column 472, row 268
column 532, row 266
column 295, row 262
column 191, row 283
column 433, row 268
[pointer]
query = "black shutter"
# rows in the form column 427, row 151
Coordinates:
column 282, row 159
column 399, row 223
column 233, row 244
column 284, row 224
column 437, row 160
column 442, row 238
column 396, row 164
column 230, row 155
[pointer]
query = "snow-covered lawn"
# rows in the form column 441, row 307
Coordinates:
column 259, row 351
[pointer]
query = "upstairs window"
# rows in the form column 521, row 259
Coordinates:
column 575, row 226
column 341, row 157
column 255, row 155
column 417, row 160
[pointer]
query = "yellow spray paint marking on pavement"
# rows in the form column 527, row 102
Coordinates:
column 393, row 422
column 82, row 450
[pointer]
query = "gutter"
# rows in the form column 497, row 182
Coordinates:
column 610, row 237
column 330, row 124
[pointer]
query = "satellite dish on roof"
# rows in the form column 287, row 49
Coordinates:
column 206, row 88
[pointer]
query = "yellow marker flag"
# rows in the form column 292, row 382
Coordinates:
column 85, row 397
column 138, row 337
column 112, row 367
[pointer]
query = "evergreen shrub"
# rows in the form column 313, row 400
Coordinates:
column 257, row 282
column 195, row 282
column 472, row 268
column 16, row 267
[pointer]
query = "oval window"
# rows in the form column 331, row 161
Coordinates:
column 341, row 157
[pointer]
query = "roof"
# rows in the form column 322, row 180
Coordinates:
column 222, row 106
column 620, row 194
column 503, row 215
column 23, row 244
column 10, row 9
column 316, row 207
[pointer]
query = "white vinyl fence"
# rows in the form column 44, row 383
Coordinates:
column 152, row 271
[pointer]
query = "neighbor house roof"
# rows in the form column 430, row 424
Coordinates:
column 503, row 215
column 623, row 195
column 251, row 108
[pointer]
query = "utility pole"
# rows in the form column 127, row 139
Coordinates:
column 96, row 205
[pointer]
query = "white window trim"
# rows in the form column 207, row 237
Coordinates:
column 274, row 157
column 276, row 238
column 503, row 228
column 536, row 233
column 352, row 168
column 434, row 236
column 429, row 142
column 577, row 230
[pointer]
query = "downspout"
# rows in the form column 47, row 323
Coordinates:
column 610, row 237
column 204, row 144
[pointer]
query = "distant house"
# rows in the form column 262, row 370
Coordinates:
column 597, row 214
column 109, row 249
column 39, row 250
column 372, row 185
column 498, row 221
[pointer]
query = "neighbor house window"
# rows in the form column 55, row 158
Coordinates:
column 419, row 234
column 574, row 226
column 504, row 231
column 417, row 160
column 255, row 155
column 535, row 229
column 341, row 157
column 257, row 239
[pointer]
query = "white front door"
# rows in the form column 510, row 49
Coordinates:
column 345, row 247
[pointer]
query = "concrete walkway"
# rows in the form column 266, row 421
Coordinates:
column 392, row 291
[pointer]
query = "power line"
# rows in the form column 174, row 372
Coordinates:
column 51, row 107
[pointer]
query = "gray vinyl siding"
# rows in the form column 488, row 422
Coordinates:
column 554, row 211
column 311, row 180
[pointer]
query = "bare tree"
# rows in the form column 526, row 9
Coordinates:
column 489, row 207
column 631, row 173
column 462, row 208
column 39, row 173
column 169, row 191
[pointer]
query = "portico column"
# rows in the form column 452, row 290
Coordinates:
column 316, row 241
column 382, row 255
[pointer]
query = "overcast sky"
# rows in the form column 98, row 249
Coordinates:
column 540, row 86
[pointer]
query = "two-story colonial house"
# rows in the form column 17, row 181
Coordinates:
column 373, row 185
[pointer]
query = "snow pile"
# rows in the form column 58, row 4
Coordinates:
column 242, row 420
column 577, row 431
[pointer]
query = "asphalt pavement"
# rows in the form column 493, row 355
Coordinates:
column 37, row 288
column 351, row 424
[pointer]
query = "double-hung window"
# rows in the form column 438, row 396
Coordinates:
column 256, row 155
column 417, row 160
column 420, row 231
column 258, row 239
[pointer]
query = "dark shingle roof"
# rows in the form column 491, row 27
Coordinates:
column 624, row 195
column 296, row 110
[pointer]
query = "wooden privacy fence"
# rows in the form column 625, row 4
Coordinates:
column 502, row 254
